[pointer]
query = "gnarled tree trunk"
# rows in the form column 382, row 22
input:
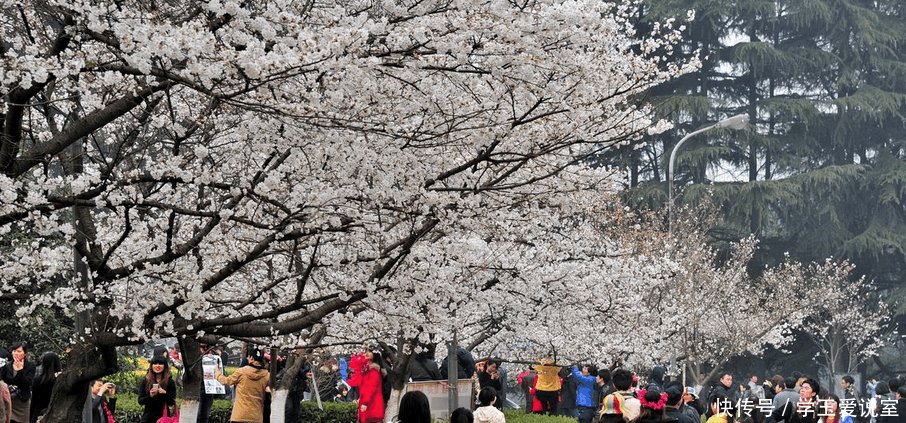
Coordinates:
column 192, row 380
column 398, row 378
column 280, row 395
column 84, row 364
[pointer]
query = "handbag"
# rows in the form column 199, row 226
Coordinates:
column 166, row 418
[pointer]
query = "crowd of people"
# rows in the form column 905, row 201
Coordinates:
column 25, row 387
column 619, row 396
column 582, row 392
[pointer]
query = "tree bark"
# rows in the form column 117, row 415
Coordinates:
column 192, row 379
column 393, row 405
column 278, row 405
column 398, row 377
column 281, row 394
column 293, row 366
column 79, row 129
column 188, row 412
column 73, row 385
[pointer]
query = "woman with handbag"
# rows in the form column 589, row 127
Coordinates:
column 157, row 391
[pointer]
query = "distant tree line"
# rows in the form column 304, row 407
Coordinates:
column 820, row 172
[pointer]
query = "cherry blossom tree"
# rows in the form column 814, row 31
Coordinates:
column 520, row 287
column 712, row 309
column 227, row 169
column 848, row 323
column 720, row 312
column 631, row 295
column 706, row 307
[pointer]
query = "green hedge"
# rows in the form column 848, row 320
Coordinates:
column 128, row 411
column 518, row 416
column 128, row 401
column 126, row 381
column 334, row 412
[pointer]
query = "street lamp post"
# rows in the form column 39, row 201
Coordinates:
column 735, row 122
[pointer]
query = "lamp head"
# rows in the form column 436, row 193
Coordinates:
column 734, row 122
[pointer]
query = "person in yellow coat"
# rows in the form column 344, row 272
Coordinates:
column 547, row 388
column 251, row 382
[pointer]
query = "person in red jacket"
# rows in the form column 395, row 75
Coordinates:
column 536, row 403
column 367, row 375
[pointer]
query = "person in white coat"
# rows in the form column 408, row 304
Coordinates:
column 486, row 412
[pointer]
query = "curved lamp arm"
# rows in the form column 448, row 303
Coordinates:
column 735, row 122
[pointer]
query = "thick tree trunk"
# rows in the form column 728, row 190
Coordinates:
column 192, row 380
column 280, row 394
column 85, row 364
column 399, row 377
column 393, row 405
column 188, row 410
column 294, row 363
column 278, row 405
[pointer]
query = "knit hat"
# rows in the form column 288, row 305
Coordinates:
column 613, row 404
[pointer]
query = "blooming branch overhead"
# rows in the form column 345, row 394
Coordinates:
column 246, row 169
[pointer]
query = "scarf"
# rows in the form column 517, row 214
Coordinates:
column 107, row 412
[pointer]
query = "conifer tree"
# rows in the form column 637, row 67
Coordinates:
column 820, row 172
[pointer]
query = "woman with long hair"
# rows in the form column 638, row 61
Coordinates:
column 45, row 378
column 157, row 390
column 367, row 368
column 414, row 408
column 19, row 374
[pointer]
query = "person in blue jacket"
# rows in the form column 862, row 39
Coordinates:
column 585, row 394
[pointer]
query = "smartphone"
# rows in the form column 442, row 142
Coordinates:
column 155, row 386
column 690, row 390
